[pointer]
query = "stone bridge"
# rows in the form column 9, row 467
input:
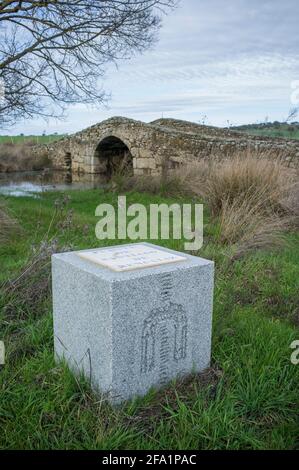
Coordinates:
column 148, row 148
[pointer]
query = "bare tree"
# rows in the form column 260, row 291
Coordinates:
column 293, row 113
column 53, row 52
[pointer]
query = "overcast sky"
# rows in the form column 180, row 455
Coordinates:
column 216, row 60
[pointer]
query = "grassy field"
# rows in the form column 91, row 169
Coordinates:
column 285, row 133
column 281, row 130
column 38, row 139
column 248, row 399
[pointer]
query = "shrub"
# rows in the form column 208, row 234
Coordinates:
column 262, row 180
column 20, row 157
column 253, row 198
column 174, row 183
column 244, row 226
column 290, row 205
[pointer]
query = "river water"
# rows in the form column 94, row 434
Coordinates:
column 31, row 183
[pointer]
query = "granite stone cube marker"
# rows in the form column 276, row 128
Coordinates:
column 132, row 317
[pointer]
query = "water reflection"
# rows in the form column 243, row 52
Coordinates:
column 32, row 182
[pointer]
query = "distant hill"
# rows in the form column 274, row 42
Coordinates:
column 271, row 129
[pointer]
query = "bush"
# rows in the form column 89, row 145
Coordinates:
column 252, row 197
column 244, row 226
column 175, row 183
column 20, row 157
column 261, row 180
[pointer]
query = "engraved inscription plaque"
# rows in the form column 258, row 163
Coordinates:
column 130, row 257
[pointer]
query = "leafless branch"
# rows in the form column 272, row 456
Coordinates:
column 53, row 52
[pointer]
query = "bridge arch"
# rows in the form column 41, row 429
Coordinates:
column 165, row 143
column 112, row 155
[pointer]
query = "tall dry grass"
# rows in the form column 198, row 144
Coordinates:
column 20, row 157
column 260, row 180
column 244, row 226
column 253, row 199
column 174, row 183
column 290, row 204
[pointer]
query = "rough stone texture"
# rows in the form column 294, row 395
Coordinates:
column 167, row 142
column 129, row 331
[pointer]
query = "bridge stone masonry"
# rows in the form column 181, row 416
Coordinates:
column 147, row 148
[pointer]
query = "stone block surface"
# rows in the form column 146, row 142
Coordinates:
column 130, row 326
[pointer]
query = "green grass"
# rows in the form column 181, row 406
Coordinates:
column 39, row 139
column 281, row 130
column 284, row 133
column 248, row 400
